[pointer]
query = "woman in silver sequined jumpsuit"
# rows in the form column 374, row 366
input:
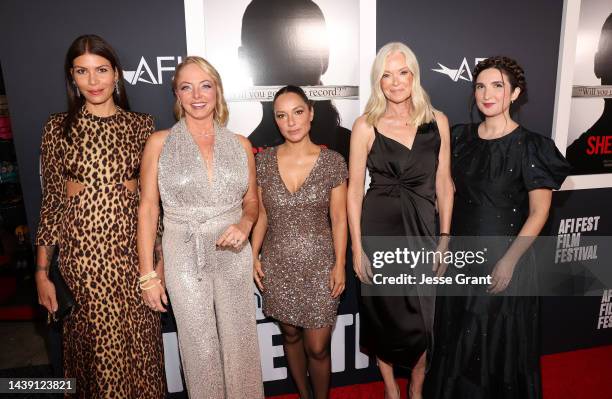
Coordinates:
column 205, row 177
column 302, row 216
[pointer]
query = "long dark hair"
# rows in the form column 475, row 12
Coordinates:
column 89, row 44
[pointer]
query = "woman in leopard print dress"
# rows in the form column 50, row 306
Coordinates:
column 90, row 162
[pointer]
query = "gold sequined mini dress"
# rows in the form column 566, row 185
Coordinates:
column 297, row 254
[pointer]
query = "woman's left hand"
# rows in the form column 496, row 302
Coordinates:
column 501, row 275
column 439, row 266
column 337, row 281
column 234, row 236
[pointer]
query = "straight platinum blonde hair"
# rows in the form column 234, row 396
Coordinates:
column 422, row 110
column 221, row 113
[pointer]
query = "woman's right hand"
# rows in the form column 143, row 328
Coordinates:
column 362, row 266
column 46, row 292
column 258, row 273
column 155, row 297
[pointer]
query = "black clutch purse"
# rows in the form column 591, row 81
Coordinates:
column 65, row 298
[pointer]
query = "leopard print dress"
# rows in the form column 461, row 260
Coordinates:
column 112, row 341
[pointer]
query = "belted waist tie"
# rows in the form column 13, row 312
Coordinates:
column 199, row 222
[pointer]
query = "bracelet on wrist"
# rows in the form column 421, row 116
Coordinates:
column 147, row 277
column 144, row 286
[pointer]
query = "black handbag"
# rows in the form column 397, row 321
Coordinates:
column 65, row 298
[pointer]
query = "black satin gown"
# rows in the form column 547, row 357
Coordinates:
column 400, row 202
column 486, row 346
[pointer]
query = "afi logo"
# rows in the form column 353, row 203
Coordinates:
column 464, row 71
column 143, row 72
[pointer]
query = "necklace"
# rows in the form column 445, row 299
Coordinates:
column 406, row 123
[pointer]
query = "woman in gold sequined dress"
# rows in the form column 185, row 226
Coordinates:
column 302, row 231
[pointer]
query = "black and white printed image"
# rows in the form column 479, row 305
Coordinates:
column 259, row 46
column 590, row 129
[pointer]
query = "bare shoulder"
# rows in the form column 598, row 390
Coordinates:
column 243, row 140
column 157, row 139
column 440, row 117
column 246, row 144
column 442, row 122
column 362, row 128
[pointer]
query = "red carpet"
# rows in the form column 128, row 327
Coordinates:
column 582, row 374
column 578, row 374
column 373, row 390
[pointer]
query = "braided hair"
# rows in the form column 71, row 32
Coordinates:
column 507, row 66
column 509, row 69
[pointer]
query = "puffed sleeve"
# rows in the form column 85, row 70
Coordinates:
column 337, row 169
column 543, row 164
column 459, row 137
column 53, row 183
column 457, row 131
column 262, row 163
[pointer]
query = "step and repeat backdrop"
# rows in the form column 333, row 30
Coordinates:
column 327, row 46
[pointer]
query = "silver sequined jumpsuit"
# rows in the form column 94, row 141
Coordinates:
column 210, row 288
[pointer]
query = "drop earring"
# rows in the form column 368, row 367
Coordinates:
column 76, row 88
column 116, row 87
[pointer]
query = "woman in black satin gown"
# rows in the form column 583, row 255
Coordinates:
column 405, row 145
column 486, row 340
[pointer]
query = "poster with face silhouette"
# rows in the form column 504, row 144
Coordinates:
column 259, row 46
column 589, row 133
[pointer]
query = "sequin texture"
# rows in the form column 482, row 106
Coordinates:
column 210, row 288
column 298, row 254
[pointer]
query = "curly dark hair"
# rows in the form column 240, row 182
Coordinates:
column 506, row 65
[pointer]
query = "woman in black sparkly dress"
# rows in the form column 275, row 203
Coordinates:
column 486, row 339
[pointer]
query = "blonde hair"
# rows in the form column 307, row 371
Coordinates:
column 221, row 113
column 422, row 110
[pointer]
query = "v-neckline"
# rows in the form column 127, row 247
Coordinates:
column 399, row 142
column 280, row 176
column 210, row 180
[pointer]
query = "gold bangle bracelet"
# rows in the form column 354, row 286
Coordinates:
column 147, row 276
column 148, row 287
